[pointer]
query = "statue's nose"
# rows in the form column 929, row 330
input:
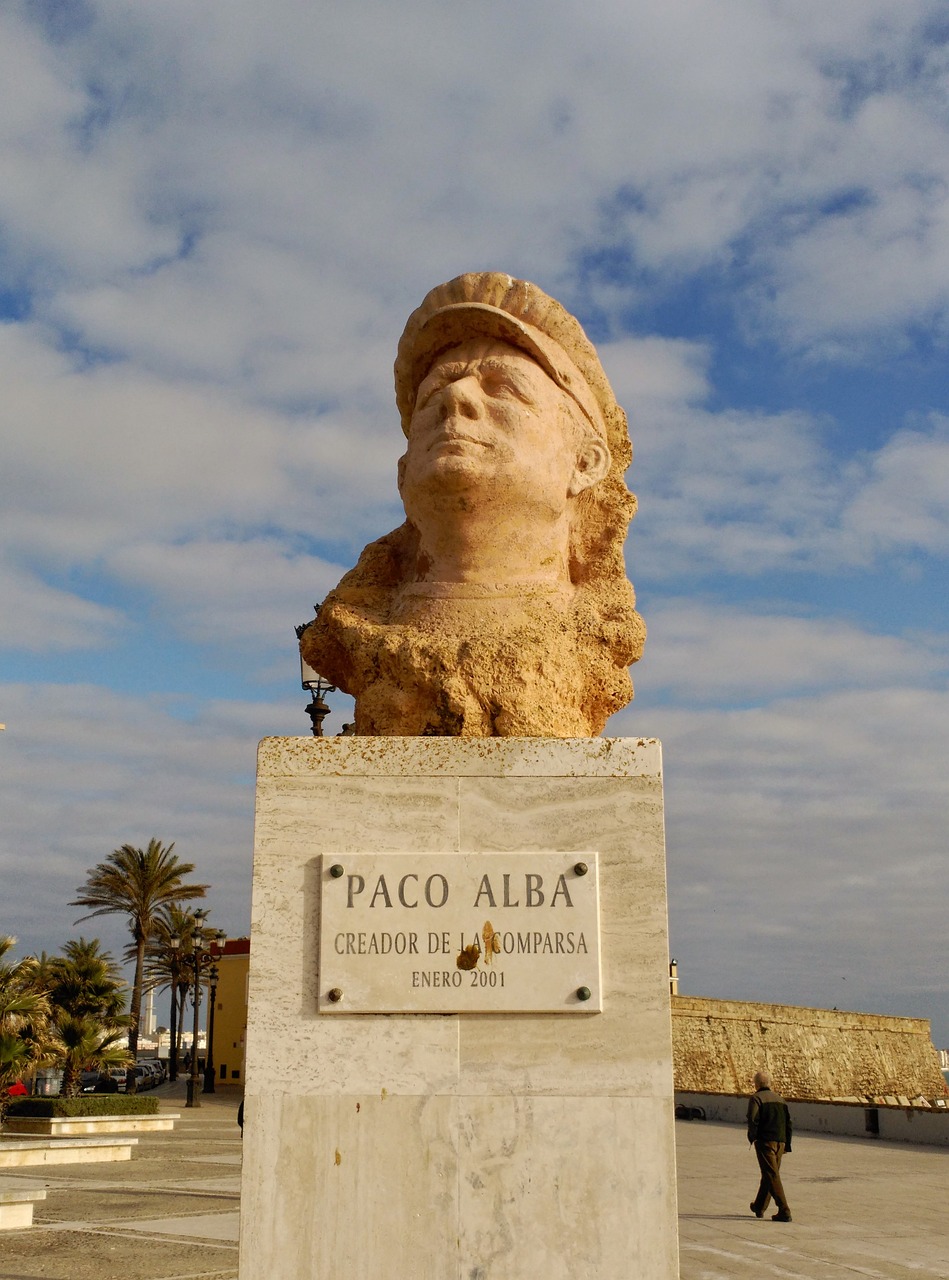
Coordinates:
column 462, row 396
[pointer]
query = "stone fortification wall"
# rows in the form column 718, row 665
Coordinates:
column 815, row 1055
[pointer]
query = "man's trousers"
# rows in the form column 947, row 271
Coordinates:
column 769, row 1161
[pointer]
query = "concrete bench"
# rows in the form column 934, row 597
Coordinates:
column 18, row 1153
column 16, row 1206
column 88, row 1126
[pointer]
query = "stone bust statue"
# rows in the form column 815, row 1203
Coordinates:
column 501, row 606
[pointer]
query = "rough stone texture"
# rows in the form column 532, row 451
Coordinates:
column 449, row 1147
column 890, row 1119
column 812, row 1054
column 501, row 607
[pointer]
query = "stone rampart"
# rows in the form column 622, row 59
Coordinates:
column 813, row 1055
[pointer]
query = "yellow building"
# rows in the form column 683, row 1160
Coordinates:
column 230, row 1013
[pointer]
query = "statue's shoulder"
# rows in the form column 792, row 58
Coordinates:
column 381, row 569
column 343, row 641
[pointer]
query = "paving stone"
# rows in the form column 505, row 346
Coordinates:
column 863, row 1210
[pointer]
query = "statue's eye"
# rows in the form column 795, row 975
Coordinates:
column 429, row 388
column 496, row 383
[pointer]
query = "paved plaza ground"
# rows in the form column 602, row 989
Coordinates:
column 169, row 1213
column 863, row 1210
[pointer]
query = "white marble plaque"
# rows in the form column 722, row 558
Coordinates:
column 460, row 933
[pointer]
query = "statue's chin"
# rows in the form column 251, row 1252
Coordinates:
column 463, row 468
column 463, row 486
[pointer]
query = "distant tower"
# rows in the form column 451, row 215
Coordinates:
column 148, row 1016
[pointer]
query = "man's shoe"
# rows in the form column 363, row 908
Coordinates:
column 781, row 1217
column 759, row 1213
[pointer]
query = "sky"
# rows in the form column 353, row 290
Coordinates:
column 214, row 222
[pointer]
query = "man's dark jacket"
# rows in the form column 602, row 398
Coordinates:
column 768, row 1118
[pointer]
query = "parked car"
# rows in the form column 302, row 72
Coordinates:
column 144, row 1078
column 118, row 1074
column 87, row 1081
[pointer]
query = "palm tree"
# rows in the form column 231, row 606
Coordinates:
column 137, row 883
column 86, row 980
column 84, row 1043
column 87, row 996
column 166, row 966
column 24, row 1009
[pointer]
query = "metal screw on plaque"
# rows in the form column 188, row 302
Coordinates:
column 581, row 868
column 336, row 870
column 335, row 994
column 583, row 993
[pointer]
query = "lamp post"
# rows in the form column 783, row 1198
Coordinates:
column 317, row 709
column 213, row 975
column 217, row 942
column 197, row 942
column 174, row 942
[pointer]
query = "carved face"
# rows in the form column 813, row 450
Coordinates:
column 490, row 424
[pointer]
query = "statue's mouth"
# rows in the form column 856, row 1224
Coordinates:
column 455, row 441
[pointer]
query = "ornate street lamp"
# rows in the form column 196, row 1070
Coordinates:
column 174, row 942
column 197, row 942
column 314, row 683
column 209, row 1057
column 213, row 974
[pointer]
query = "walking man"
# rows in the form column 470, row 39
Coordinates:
column 769, row 1130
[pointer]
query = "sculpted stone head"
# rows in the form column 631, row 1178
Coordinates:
column 487, row 416
column 496, row 454
column 501, row 606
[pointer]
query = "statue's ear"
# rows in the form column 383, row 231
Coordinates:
column 593, row 463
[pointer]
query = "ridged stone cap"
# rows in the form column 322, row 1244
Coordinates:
column 492, row 305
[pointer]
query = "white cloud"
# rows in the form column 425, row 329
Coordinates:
column 805, row 821
column 738, row 491
column 63, row 203
column 701, row 654
column 93, row 452
column 824, row 816
column 265, row 318
column 642, row 370
column 903, row 504
column 45, row 619
column 208, row 505
column 86, row 769
column 231, row 595
column 746, row 492
column 341, row 149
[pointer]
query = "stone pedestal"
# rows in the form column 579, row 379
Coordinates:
column 462, row 1146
